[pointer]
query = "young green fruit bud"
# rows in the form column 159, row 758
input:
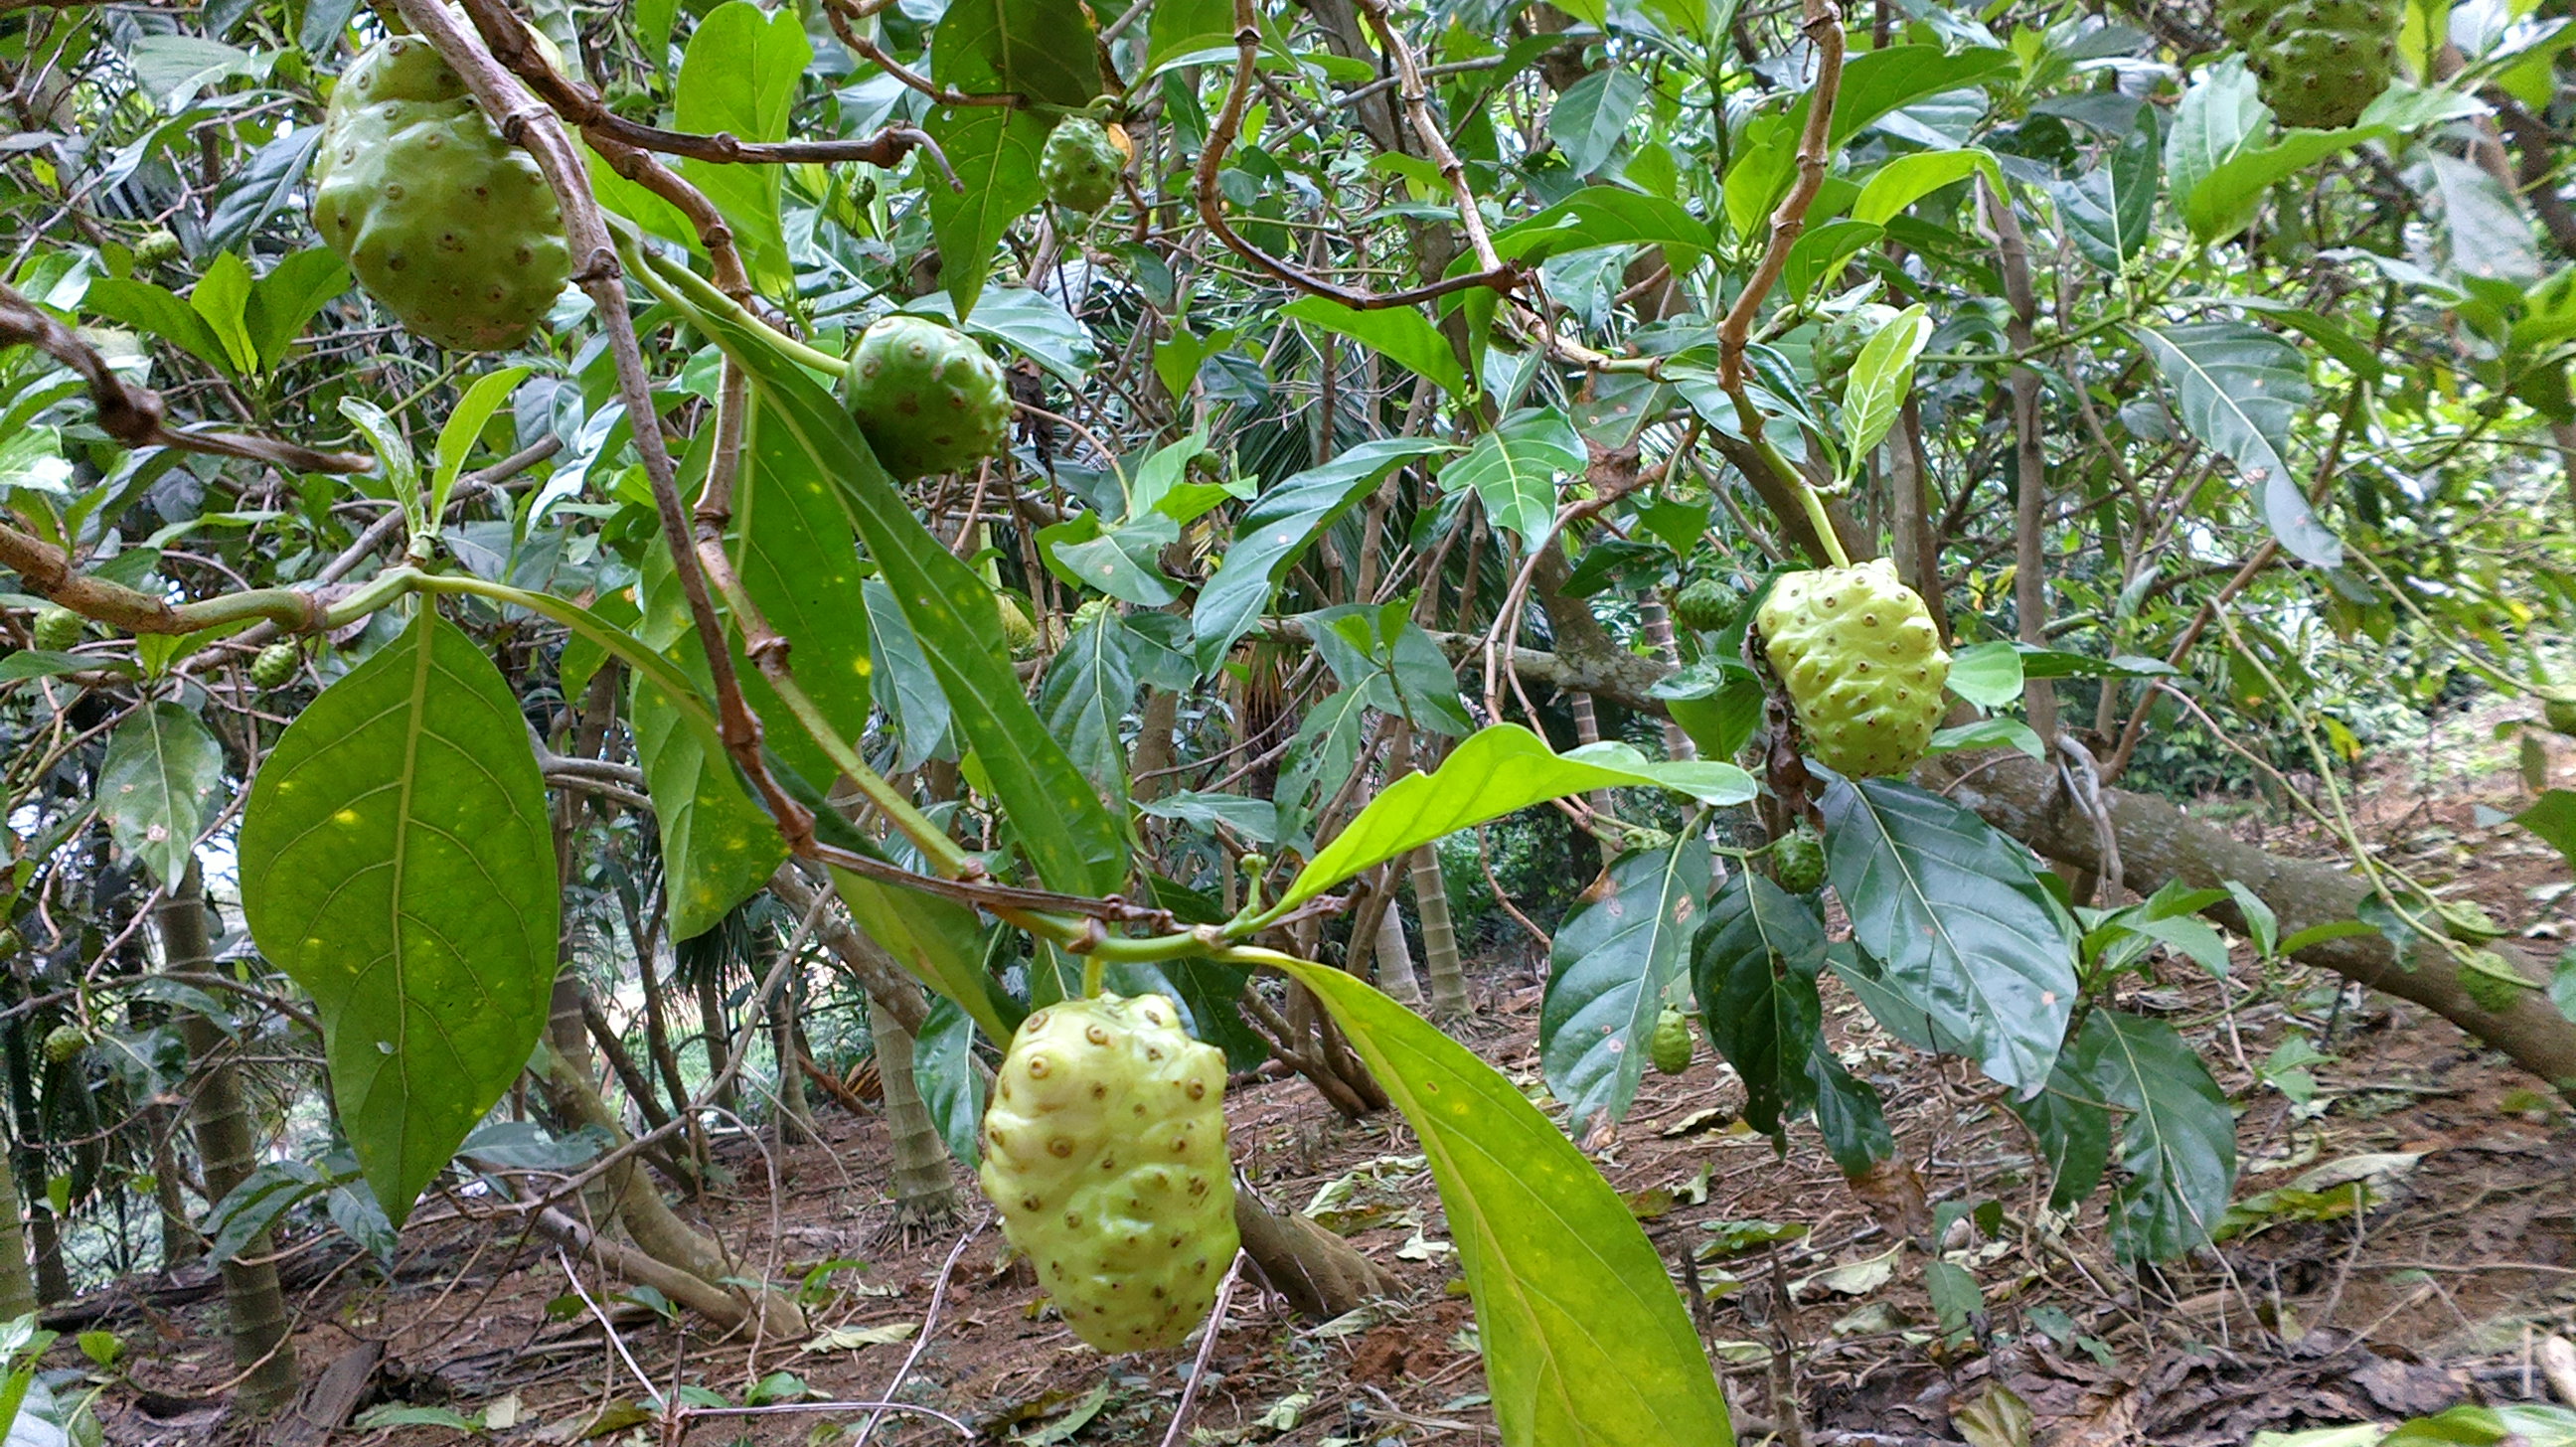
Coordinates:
column 1671, row 1048
column 1080, row 165
column 1798, row 861
column 275, row 665
column 56, row 629
column 65, row 1041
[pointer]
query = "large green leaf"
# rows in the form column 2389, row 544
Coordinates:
column 1089, row 688
column 994, row 151
column 1398, row 331
column 1601, row 216
column 1607, row 973
column 1586, row 1343
column 1591, row 117
column 1754, row 966
column 1280, row 525
column 740, row 76
column 1962, row 928
column 937, row 939
column 944, row 1072
column 1514, row 469
column 1882, row 377
column 1497, row 770
column 793, row 550
column 397, row 862
column 2073, row 1130
column 2240, row 389
column 2177, row 1140
column 162, row 774
column 1078, row 846
column 1044, row 50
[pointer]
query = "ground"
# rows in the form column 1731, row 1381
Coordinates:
column 2461, row 1258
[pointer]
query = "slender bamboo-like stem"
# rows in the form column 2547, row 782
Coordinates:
column 924, row 1191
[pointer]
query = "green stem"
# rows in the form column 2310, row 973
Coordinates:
column 672, row 283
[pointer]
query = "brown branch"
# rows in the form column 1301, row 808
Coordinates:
column 1824, row 27
column 507, row 36
column 48, row 571
column 134, row 415
column 1506, row 278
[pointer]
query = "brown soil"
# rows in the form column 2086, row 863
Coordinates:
column 2434, row 1294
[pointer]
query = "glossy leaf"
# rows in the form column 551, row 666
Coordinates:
column 2177, row 1140
column 2074, row 1133
column 1612, row 962
column 161, row 779
column 791, row 545
column 939, row 940
column 457, row 435
column 1499, row 769
column 1881, row 379
column 1591, row 116
column 397, row 861
column 1586, row 1343
column 1602, row 216
column 994, row 150
column 2111, row 210
column 1514, row 470
column 2240, row 389
column 1753, row 966
column 1962, row 928
column 1089, row 687
column 1043, row 50
column 740, row 76
column 1400, row 333
column 1908, row 179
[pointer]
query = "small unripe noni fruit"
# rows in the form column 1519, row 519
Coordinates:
column 2558, row 708
column 447, row 225
column 155, row 248
column 1080, row 165
column 1798, row 861
column 2318, row 63
column 1104, row 1151
column 1839, row 344
column 1862, row 662
column 1706, row 604
column 1671, row 1048
column 275, row 664
column 56, row 629
column 65, row 1041
column 927, row 397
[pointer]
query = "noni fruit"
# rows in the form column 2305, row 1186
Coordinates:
column 1706, row 604
column 275, row 664
column 1798, row 861
column 65, row 1041
column 1838, row 344
column 926, row 396
column 1104, row 1151
column 56, row 629
column 1670, row 1050
column 1862, row 662
column 2319, row 63
column 1080, row 165
column 451, row 228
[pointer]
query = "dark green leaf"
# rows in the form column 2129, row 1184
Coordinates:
column 994, row 150
column 792, row 548
column 1514, row 469
column 2177, row 1140
column 943, row 1070
column 2074, row 1133
column 1399, row 332
column 1591, row 116
column 1602, row 216
column 262, row 186
column 398, row 862
column 1279, row 526
column 2553, row 818
column 2111, row 209
column 1089, row 687
column 1754, row 967
column 740, row 76
column 1044, row 50
column 1958, row 921
column 1608, row 971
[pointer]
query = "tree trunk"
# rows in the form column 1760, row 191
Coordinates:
column 262, row 1349
column 1395, row 957
column 1321, row 1274
column 17, row 1275
column 712, row 1033
column 925, row 1192
column 795, row 1117
column 649, row 1219
column 1439, row 935
column 2159, row 843
column 179, row 1243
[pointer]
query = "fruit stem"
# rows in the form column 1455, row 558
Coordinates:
column 664, row 277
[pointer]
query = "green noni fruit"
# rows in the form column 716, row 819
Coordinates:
column 1671, row 1048
column 1798, row 861
column 56, row 629
column 1863, row 665
column 1706, row 604
column 926, row 396
column 275, row 664
column 1839, row 342
column 2320, row 63
column 1104, row 1151
column 2558, row 708
column 65, row 1041
column 448, row 226
column 1080, row 165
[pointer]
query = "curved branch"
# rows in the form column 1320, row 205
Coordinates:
column 1824, row 27
column 133, row 415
